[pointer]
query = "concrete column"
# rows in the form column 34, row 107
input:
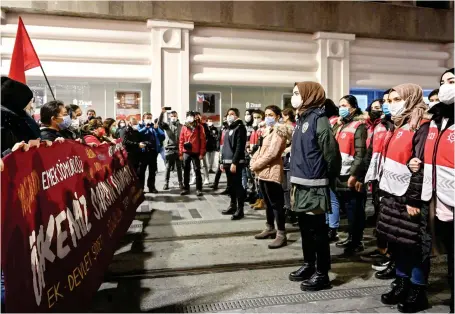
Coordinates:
column 333, row 58
column 170, row 66
column 450, row 62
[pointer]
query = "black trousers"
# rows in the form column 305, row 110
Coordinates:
column 274, row 199
column 315, row 240
column 189, row 159
column 173, row 160
column 444, row 231
column 149, row 160
column 234, row 182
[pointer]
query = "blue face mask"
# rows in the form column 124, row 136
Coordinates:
column 270, row 121
column 344, row 112
column 385, row 109
column 66, row 123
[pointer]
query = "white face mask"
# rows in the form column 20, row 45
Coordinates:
column 75, row 123
column 209, row 123
column 247, row 118
column 432, row 103
column 256, row 122
column 135, row 127
column 446, row 94
column 190, row 119
column 148, row 121
column 296, row 101
column 122, row 125
column 173, row 119
column 230, row 119
column 397, row 108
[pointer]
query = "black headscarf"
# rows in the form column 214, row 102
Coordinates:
column 15, row 95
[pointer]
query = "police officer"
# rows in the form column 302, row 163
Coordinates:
column 315, row 163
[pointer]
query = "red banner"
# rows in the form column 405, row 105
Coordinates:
column 64, row 210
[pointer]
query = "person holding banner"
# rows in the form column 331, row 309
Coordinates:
column 56, row 122
column 17, row 126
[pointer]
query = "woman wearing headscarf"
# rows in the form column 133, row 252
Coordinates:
column 438, row 171
column 403, row 218
column 315, row 164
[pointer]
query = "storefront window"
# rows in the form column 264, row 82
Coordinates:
column 109, row 100
column 221, row 98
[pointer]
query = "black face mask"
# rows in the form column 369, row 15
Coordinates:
column 375, row 114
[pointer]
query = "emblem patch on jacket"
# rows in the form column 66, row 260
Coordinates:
column 304, row 127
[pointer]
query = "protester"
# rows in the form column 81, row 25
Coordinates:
column 121, row 129
column 198, row 119
column 246, row 174
column 437, row 161
column 93, row 133
column 289, row 120
column 351, row 135
column 315, row 164
column 173, row 129
column 17, row 126
column 90, row 114
column 212, row 143
column 133, row 143
column 267, row 164
column 233, row 162
column 256, row 199
column 56, row 122
column 152, row 137
column 403, row 217
column 110, row 127
column 214, row 186
column 75, row 112
column 192, row 150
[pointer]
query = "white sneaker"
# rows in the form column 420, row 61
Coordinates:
column 206, row 182
column 193, row 181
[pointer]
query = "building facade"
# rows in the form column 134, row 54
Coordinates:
column 123, row 67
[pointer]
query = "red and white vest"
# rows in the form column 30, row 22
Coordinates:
column 396, row 175
column 379, row 136
column 440, row 178
column 333, row 120
column 346, row 138
column 370, row 132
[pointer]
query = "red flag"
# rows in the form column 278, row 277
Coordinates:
column 24, row 55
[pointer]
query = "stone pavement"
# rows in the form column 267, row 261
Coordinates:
column 182, row 255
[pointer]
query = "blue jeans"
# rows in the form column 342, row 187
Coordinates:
column 411, row 266
column 333, row 219
column 354, row 202
column 3, row 291
column 245, row 178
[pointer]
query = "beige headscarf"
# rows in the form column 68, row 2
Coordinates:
column 313, row 95
column 414, row 107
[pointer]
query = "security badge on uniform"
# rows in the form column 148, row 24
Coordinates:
column 304, row 127
column 230, row 132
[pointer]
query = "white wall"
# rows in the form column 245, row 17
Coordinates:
column 385, row 63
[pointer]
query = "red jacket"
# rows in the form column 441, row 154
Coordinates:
column 196, row 137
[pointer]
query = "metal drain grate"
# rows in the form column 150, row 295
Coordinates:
column 280, row 300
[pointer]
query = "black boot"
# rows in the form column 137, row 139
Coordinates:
column 416, row 300
column 333, row 235
column 398, row 293
column 388, row 273
column 319, row 281
column 344, row 243
column 214, row 187
column 238, row 214
column 225, row 192
column 303, row 273
column 231, row 210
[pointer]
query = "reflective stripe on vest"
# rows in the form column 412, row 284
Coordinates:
column 379, row 135
column 310, row 182
column 444, row 181
column 333, row 120
column 345, row 138
column 396, row 176
column 369, row 136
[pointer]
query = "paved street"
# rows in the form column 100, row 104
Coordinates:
column 182, row 255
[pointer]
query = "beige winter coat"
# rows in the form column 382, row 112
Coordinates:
column 267, row 162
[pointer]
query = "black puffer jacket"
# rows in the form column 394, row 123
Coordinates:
column 16, row 124
column 395, row 224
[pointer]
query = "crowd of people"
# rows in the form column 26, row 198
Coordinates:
column 305, row 165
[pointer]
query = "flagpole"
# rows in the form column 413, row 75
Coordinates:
column 47, row 81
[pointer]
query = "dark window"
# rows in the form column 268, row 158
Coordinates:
column 434, row 4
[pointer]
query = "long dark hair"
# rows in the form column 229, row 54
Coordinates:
column 353, row 102
column 330, row 108
column 290, row 113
